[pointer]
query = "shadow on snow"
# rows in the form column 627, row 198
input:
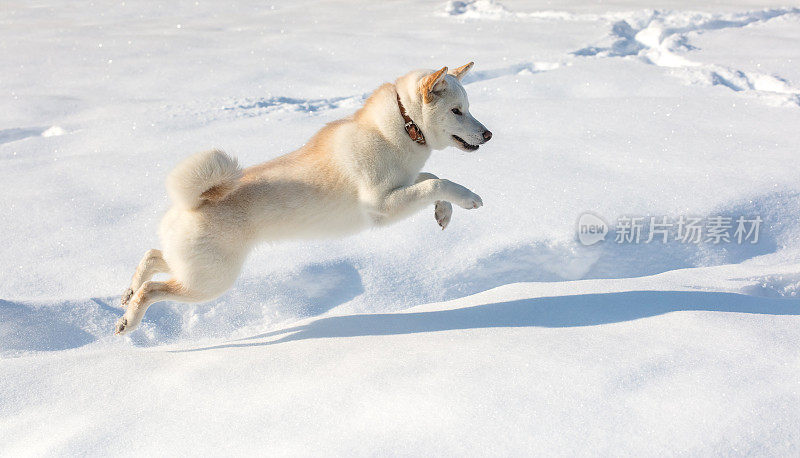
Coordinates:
column 546, row 312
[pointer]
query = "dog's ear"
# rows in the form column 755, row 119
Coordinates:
column 461, row 71
column 433, row 83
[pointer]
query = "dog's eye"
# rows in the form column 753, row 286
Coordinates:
column 456, row 111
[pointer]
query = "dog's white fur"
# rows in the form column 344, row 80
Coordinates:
column 353, row 174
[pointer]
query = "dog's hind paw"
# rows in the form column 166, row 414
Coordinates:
column 121, row 328
column 126, row 297
column 443, row 211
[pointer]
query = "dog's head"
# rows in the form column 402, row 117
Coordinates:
column 443, row 109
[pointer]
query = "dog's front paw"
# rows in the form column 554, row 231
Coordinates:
column 126, row 297
column 460, row 195
column 470, row 201
column 443, row 211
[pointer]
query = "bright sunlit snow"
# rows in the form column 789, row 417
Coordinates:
column 503, row 334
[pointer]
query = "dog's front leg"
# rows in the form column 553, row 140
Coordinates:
column 442, row 209
column 406, row 200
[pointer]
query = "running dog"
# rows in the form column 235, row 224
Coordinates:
column 355, row 173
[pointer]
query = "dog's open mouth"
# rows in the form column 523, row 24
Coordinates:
column 464, row 145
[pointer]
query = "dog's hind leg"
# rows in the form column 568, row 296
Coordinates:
column 152, row 263
column 149, row 293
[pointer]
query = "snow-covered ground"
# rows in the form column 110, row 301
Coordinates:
column 501, row 335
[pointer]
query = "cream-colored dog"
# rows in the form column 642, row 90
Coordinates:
column 355, row 173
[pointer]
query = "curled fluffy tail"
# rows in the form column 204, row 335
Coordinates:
column 205, row 177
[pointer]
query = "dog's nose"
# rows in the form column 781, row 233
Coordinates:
column 487, row 135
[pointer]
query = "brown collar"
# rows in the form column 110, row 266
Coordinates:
column 412, row 129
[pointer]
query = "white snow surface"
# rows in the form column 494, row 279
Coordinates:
column 501, row 335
